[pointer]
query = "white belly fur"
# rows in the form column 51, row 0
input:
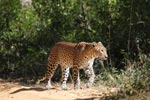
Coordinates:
column 90, row 63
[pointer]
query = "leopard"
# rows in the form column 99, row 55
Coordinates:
column 76, row 56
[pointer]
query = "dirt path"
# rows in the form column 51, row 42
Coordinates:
column 16, row 91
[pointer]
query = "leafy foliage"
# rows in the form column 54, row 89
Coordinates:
column 132, row 81
column 27, row 34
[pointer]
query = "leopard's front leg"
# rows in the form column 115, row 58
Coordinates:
column 90, row 73
column 76, row 77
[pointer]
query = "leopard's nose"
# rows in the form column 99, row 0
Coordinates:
column 106, row 57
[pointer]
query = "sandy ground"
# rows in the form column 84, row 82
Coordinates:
column 17, row 91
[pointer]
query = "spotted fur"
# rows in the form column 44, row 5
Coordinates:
column 74, row 55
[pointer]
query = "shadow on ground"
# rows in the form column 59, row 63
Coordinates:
column 91, row 98
column 28, row 89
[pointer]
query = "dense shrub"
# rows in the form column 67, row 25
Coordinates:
column 133, row 81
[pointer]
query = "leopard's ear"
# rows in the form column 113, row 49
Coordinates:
column 91, row 45
column 80, row 46
column 83, row 47
column 100, row 42
column 94, row 44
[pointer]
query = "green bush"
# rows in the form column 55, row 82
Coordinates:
column 134, row 80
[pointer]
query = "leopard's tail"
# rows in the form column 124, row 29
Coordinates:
column 39, row 80
column 45, row 78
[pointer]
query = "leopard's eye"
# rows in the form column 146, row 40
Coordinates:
column 102, row 50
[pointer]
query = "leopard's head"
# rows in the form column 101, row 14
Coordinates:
column 100, row 51
column 96, row 50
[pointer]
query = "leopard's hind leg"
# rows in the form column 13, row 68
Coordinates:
column 65, row 74
column 52, row 65
column 50, row 72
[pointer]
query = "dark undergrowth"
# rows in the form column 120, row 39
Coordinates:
column 133, row 82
